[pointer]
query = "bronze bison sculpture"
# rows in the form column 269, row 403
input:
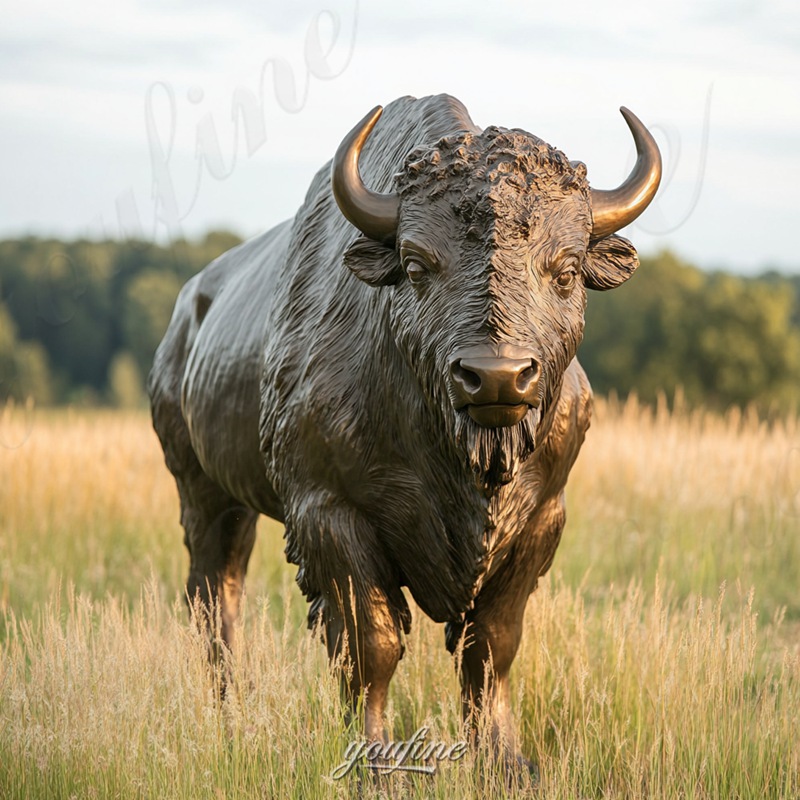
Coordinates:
column 392, row 374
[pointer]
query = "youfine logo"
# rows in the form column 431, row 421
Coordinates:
column 388, row 757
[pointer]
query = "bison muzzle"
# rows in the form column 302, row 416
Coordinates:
column 392, row 375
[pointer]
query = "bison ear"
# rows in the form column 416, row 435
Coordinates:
column 609, row 262
column 373, row 262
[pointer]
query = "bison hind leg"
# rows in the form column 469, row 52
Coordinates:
column 219, row 530
column 219, row 533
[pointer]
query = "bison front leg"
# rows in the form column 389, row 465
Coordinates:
column 360, row 603
column 492, row 634
column 364, row 641
column 492, row 629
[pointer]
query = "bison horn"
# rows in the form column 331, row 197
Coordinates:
column 374, row 214
column 614, row 209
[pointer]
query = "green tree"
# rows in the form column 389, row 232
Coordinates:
column 146, row 311
column 23, row 365
column 722, row 339
column 76, row 305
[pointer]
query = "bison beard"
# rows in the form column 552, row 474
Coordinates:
column 495, row 454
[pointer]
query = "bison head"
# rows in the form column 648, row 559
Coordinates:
column 489, row 244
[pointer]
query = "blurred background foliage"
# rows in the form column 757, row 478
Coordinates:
column 80, row 321
column 717, row 338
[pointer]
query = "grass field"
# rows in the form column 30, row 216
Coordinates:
column 661, row 657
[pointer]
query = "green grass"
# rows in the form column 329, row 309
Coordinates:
column 661, row 658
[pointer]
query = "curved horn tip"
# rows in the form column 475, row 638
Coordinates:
column 358, row 135
column 612, row 210
column 371, row 118
column 633, row 122
column 373, row 213
column 630, row 118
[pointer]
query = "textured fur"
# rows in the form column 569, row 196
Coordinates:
column 304, row 376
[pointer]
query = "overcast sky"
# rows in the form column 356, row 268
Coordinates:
column 116, row 117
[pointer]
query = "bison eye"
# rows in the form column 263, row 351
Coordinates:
column 566, row 280
column 415, row 270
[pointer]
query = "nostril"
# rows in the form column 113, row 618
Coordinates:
column 470, row 380
column 527, row 377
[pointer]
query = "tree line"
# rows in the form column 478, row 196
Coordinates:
column 80, row 321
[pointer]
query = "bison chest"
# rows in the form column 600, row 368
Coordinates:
column 397, row 523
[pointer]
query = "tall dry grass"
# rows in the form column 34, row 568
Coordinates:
column 699, row 498
column 638, row 675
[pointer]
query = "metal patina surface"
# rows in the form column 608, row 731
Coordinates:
column 392, row 374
